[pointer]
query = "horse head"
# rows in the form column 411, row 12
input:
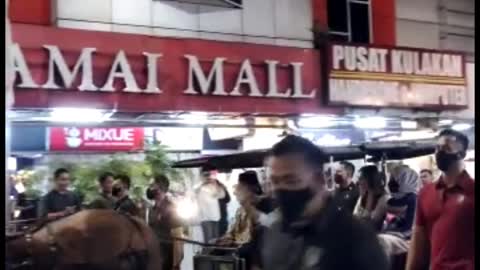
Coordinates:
column 22, row 250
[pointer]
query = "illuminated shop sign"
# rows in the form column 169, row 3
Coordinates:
column 59, row 67
column 396, row 77
column 96, row 139
column 176, row 138
column 201, row 81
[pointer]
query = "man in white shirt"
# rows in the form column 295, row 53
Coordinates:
column 212, row 197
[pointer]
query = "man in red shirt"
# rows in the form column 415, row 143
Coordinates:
column 444, row 228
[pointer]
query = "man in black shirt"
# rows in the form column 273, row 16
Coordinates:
column 60, row 201
column 311, row 234
column 105, row 199
column 346, row 193
column 123, row 202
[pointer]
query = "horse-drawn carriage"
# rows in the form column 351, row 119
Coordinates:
column 374, row 152
column 94, row 235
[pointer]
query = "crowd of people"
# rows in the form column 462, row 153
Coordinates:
column 300, row 224
column 360, row 225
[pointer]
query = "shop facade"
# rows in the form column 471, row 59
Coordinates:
column 89, row 87
column 231, row 90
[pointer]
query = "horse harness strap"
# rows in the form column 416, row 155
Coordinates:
column 136, row 258
column 52, row 245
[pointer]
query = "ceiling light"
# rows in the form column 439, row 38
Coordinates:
column 12, row 164
column 445, row 122
column 77, row 115
column 370, row 123
column 462, row 126
column 194, row 118
column 316, row 122
column 409, row 124
column 332, row 140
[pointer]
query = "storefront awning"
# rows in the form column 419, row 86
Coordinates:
column 374, row 151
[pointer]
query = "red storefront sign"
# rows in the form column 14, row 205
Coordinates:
column 76, row 68
column 381, row 76
column 96, row 139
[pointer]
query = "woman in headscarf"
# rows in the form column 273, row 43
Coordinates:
column 403, row 186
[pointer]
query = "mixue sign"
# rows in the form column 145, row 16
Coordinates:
column 396, row 77
column 96, row 139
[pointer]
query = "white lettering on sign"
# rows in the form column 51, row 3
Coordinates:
column 432, row 64
column 111, row 134
column 201, row 80
column 152, row 85
column 363, row 59
column 272, row 81
column 397, row 61
column 125, row 73
column 369, row 76
column 246, row 76
column 20, row 67
column 84, row 62
column 384, row 93
column 195, row 72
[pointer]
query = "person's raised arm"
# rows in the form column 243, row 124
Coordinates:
column 378, row 213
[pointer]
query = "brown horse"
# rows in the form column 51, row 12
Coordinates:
column 90, row 239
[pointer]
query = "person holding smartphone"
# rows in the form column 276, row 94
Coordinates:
column 60, row 201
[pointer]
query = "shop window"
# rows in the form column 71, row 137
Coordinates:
column 349, row 20
column 220, row 3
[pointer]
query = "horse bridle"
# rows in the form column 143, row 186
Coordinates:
column 53, row 249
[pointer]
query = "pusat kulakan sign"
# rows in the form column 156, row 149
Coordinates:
column 201, row 81
column 96, row 139
column 396, row 77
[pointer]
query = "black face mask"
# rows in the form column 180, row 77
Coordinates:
column 292, row 203
column 338, row 179
column 151, row 193
column 393, row 186
column 266, row 205
column 116, row 191
column 445, row 160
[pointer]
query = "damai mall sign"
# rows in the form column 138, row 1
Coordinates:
column 73, row 68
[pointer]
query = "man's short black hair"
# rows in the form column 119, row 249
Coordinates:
column 125, row 179
column 250, row 180
column 349, row 166
column 59, row 172
column 292, row 144
column 460, row 137
column 162, row 181
column 104, row 176
column 426, row 171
